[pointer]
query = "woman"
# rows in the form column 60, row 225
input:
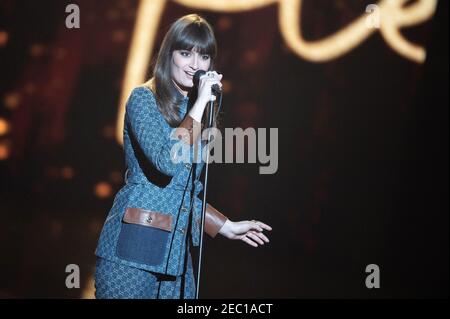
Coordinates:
column 143, row 247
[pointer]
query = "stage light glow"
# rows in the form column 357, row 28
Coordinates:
column 12, row 100
column 103, row 190
column 30, row 88
column 226, row 86
column 224, row 23
column 67, row 172
column 4, row 152
column 3, row 38
column 116, row 177
column 113, row 14
column 119, row 36
column 393, row 15
column 60, row 53
column 89, row 290
column 108, row 131
column 227, row 5
column 4, row 126
column 37, row 50
column 147, row 21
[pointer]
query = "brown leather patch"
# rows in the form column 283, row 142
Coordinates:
column 214, row 221
column 148, row 218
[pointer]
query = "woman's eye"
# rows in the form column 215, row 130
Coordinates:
column 185, row 53
column 205, row 57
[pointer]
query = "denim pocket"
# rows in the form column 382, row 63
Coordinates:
column 143, row 236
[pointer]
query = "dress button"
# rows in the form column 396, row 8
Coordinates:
column 188, row 166
column 184, row 209
column 126, row 176
column 149, row 219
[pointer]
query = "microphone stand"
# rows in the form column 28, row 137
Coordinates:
column 205, row 184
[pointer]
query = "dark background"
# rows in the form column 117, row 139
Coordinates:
column 363, row 153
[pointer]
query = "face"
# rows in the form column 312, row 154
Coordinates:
column 184, row 65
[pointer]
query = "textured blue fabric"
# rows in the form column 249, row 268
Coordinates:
column 142, row 244
column 117, row 281
column 153, row 182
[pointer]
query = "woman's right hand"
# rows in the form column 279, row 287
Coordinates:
column 205, row 95
column 206, row 81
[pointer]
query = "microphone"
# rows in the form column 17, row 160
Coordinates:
column 215, row 88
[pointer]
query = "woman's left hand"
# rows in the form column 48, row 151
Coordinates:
column 250, row 232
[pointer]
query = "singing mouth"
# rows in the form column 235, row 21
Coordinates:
column 189, row 74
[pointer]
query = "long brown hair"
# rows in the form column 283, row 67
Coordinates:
column 187, row 33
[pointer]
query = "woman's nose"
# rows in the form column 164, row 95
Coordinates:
column 194, row 62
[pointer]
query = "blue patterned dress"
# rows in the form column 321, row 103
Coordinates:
column 156, row 264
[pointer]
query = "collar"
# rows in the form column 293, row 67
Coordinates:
column 183, row 104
